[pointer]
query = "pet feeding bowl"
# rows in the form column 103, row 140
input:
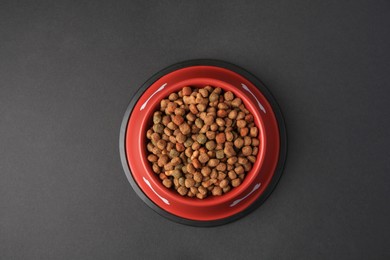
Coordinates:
column 213, row 210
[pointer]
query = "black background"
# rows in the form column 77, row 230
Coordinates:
column 68, row 70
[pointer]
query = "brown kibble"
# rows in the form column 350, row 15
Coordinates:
column 201, row 138
column 232, row 114
column 201, row 196
column 171, row 108
column 217, row 191
column 202, row 190
column 198, row 177
column 240, row 116
column 152, row 158
column 221, row 167
column 247, row 150
column 253, row 132
column 229, row 136
column 220, row 138
column 190, row 117
column 182, row 190
column 255, row 150
column 244, row 131
column 173, row 97
column 239, row 170
column 247, row 166
column 155, row 168
column 204, row 92
column 236, row 182
column 252, row 158
column 232, row 160
column 229, row 96
column 241, row 123
column 226, row 189
column 206, row 171
column 209, row 120
column 213, row 162
column 203, row 158
column 222, row 113
column 242, row 160
column 161, row 144
column 224, row 183
column 196, row 163
column 189, row 183
column 239, row 142
column 180, row 147
column 186, row 91
column 232, row 175
column 167, row 183
column 247, row 140
column 214, row 127
column 210, row 145
column 236, row 102
column 178, row 120
column 210, row 135
column 229, row 151
column 185, row 128
column 255, row 142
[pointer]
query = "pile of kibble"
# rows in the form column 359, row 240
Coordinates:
column 203, row 141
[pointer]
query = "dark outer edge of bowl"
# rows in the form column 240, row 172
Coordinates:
column 282, row 134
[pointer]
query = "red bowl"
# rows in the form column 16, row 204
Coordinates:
column 258, row 183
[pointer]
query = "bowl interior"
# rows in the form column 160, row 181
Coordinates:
column 200, row 83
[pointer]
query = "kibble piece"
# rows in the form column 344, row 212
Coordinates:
column 210, row 145
column 201, row 138
column 217, row 191
column 229, row 151
column 221, row 167
column 198, row 177
column 255, row 142
column 152, row 158
column 232, row 175
column 167, row 183
column 182, row 190
column 186, row 91
column 185, row 128
column 224, row 183
column 206, row 171
column 220, row 138
column 253, row 132
column 229, row 96
column 247, row 150
column 239, row 143
column 240, row 116
column 226, row 189
column 236, row 102
column 241, row 123
column 244, row 131
column 219, row 154
column 247, row 140
column 239, row 170
column 209, row 120
column 189, row 183
column 203, row 158
column 213, row 162
column 232, row 114
column 236, row 182
column 213, row 97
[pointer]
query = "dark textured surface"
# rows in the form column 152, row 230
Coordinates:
column 67, row 71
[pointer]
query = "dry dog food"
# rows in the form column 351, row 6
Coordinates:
column 202, row 142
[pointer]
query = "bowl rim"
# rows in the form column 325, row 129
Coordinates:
column 282, row 135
